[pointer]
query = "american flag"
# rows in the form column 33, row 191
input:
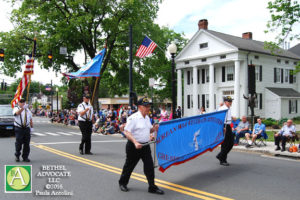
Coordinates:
column 24, row 81
column 146, row 48
column 48, row 88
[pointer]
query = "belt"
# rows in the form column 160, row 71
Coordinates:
column 21, row 127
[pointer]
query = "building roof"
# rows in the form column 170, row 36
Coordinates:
column 295, row 49
column 252, row 45
column 284, row 92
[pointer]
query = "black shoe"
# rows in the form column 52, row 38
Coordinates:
column 89, row 153
column 249, row 145
column 224, row 163
column 277, row 148
column 26, row 160
column 155, row 190
column 123, row 188
column 81, row 151
column 17, row 159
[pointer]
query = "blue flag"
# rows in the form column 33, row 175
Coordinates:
column 184, row 139
column 91, row 69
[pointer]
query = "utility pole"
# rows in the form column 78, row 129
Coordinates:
column 51, row 99
column 130, row 65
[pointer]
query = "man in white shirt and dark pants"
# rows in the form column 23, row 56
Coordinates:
column 85, row 120
column 23, row 123
column 138, row 131
column 229, row 137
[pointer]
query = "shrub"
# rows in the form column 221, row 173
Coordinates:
column 269, row 122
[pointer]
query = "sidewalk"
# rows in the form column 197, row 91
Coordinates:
column 269, row 149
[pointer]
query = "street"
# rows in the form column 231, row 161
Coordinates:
column 250, row 175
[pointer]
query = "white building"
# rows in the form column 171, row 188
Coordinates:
column 213, row 65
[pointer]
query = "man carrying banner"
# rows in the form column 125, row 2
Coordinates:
column 138, row 131
column 229, row 138
column 23, row 123
column 85, row 120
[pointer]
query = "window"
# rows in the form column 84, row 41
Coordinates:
column 198, row 76
column 192, row 105
column 207, row 75
column 222, row 56
column 277, row 75
column 188, row 101
column 295, row 63
column 293, row 106
column 203, row 60
column 188, row 77
column 207, row 101
column 257, row 73
column 256, row 57
column 286, row 62
column 286, row 75
column 230, row 73
column 203, row 45
column 198, row 101
column 186, row 62
column 278, row 61
column 258, row 101
column 228, row 93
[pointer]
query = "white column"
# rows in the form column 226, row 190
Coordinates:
column 211, row 88
column 236, row 108
column 195, row 91
column 179, row 87
column 245, row 107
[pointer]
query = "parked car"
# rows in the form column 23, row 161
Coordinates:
column 6, row 121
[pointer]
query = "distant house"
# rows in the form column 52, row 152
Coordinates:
column 213, row 65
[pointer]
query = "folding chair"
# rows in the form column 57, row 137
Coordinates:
column 262, row 140
column 243, row 140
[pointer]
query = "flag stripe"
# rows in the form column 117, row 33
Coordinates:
column 24, row 81
column 146, row 48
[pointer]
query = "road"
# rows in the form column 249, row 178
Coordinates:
column 250, row 176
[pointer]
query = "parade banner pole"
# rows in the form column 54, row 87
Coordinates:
column 154, row 151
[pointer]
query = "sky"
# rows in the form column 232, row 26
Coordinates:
column 232, row 17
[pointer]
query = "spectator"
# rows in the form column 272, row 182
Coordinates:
column 163, row 115
column 258, row 130
column 240, row 130
column 287, row 132
column 178, row 112
column 202, row 110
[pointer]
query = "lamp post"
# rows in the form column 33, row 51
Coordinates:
column 56, row 100
column 172, row 48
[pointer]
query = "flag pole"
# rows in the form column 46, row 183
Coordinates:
column 32, row 55
column 97, row 80
column 157, row 45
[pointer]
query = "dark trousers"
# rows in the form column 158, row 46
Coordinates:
column 227, row 144
column 133, row 156
column 281, row 138
column 240, row 135
column 22, row 138
column 86, row 131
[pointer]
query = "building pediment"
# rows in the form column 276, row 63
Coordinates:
column 204, row 44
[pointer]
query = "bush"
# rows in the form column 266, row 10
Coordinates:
column 269, row 122
column 282, row 121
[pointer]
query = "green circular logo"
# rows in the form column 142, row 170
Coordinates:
column 18, row 178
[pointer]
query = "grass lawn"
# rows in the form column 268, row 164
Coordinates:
column 271, row 136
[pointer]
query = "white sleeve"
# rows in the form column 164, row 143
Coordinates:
column 129, row 125
column 15, row 110
column 80, row 108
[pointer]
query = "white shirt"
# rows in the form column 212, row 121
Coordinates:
column 287, row 130
column 20, row 119
column 228, row 114
column 88, row 116
column 139, row 127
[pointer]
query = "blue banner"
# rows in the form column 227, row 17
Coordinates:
column 183, row 139
column 91, row 69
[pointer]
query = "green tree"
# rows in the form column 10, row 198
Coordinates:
column 285, row 16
